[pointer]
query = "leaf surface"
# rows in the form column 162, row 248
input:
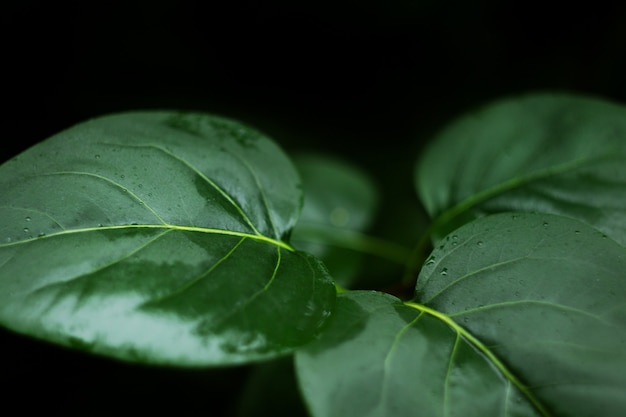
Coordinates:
column 521, row 316
column 553, row 153
column 158, row 237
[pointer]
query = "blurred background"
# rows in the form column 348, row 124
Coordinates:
column 368, row 81
column 359, row 78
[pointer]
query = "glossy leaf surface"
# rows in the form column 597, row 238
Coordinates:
column 516, row 315
column 550, row 153
column 158, row 237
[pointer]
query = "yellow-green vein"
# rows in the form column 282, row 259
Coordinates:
column 101, row 267
column 200, row 277
column 261, row 191
column 485, row 351
column 201, row 175
column 517, row 302
column 414, row 261
column 394, row 346
column 208, row 230
column 446, row 382
column 115, row 183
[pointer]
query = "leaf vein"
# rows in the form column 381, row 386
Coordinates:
column 116, row 184
column 211, row 183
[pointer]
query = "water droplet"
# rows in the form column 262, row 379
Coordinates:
column 430, row 260
column 41, row 234
column 122, row 176
column 480, row 243
column 455, row 237
column 27, row 219
column 8, row 239
column 577, row 232
column 545, row 224
column 97, row 156
column 444, row 271
column 26, row 230
column 140, row 185
column 515, row 216
column 466, row 319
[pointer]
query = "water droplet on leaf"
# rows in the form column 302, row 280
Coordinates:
column 430, row 260
column 27, row 219
column 444, row 271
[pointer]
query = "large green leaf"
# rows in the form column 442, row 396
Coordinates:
column 516, row 315
column 158, row 237
column 554, row 153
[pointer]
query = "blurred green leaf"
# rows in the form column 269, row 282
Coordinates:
column 158, row 237
column 340, row 204
column 515, row 315
column 552, row 153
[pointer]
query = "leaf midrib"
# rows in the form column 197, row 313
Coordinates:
column 164, row 226
column 485, row 351
column 513, row 183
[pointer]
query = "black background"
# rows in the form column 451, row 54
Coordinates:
column 369, row 81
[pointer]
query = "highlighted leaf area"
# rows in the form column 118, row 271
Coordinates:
column 158, row 237
column 533, row 326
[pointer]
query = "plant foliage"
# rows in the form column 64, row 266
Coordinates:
column 186, row 239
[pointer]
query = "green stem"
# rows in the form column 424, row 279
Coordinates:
column 353, row 240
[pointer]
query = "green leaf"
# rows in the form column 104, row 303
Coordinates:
column 340, row 203
column 158, row 237
column 516, row 315
column 553, row 153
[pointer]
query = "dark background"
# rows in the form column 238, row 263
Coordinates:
column 358, row 78
column 369, row 81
